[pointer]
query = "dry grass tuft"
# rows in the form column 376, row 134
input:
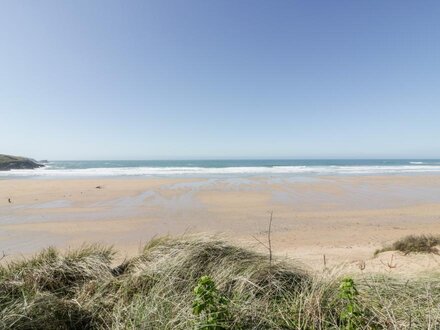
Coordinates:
column 414, row 244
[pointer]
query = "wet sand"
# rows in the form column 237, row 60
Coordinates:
column 344, row 218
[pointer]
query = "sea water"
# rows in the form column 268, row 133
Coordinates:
column 231, row 168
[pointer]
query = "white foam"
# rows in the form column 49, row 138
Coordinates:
column 205, row 171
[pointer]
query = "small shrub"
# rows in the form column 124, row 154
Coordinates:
column 209, row 305
column 351, row 315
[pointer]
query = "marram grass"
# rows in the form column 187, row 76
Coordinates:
column 414, row 244
column 155, row 290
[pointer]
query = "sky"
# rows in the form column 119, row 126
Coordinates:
column 211, row 79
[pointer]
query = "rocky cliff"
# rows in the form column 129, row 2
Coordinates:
column 13, row 162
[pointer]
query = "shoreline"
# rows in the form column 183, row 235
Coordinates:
column 228, row 168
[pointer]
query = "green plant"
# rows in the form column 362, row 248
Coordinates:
column 351, row 314
column 209, row 305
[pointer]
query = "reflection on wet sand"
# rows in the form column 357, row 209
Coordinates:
column 344, row 216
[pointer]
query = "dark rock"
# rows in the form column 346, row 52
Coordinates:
column 17, row 163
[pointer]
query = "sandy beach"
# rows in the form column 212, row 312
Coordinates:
column 344, row 218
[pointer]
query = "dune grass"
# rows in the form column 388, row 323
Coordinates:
column 155, row 290
column 414, row 244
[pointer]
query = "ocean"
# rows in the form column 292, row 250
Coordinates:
column 222, row 168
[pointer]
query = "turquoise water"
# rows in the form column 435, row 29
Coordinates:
column 213, row 168
column 238, row 163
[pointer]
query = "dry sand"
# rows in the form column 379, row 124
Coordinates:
column 344, row 218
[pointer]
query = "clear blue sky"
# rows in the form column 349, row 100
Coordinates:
column 220, row 79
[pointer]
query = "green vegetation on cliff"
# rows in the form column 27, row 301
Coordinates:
column 203, row 283
column 14, row 162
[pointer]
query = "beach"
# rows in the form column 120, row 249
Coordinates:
column 345, row 218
